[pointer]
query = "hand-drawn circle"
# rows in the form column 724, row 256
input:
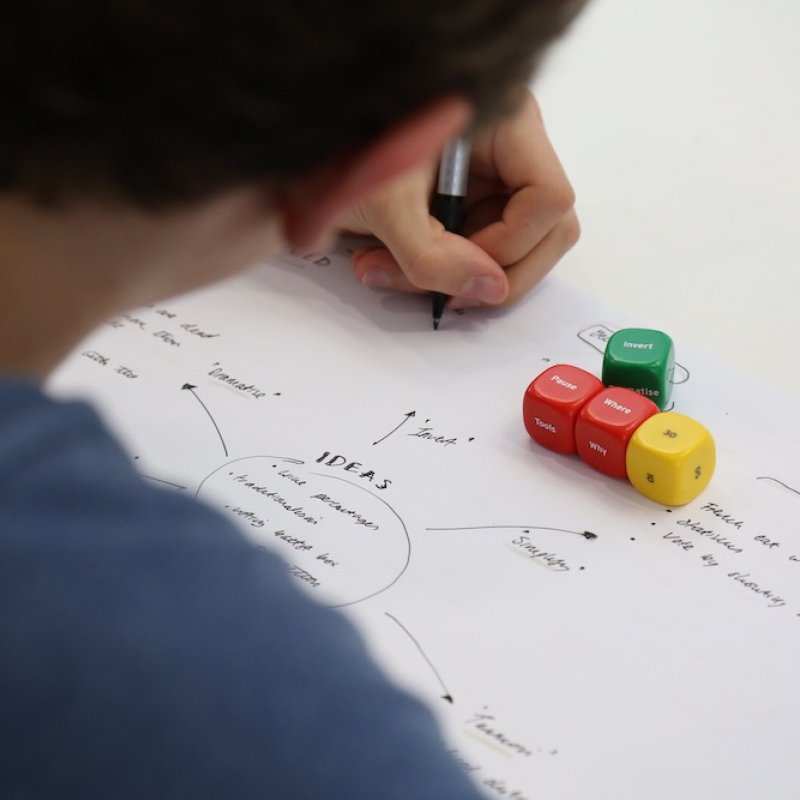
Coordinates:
column 342, row 542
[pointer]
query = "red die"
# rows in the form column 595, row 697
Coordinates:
column 552, row 402
column 606, row 424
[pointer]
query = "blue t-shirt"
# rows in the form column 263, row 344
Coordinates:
column 147, row 650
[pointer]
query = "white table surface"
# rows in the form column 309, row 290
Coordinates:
column 678, row 122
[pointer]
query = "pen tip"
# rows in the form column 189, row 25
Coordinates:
column 436, row 321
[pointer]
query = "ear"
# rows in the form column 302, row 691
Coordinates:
column 309, row 205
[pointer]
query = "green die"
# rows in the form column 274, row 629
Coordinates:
column 643, row 360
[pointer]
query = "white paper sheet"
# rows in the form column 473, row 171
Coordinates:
column 389, row 466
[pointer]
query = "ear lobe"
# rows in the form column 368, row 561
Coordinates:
column 310, row 205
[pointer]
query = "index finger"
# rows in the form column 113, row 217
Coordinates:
column 517, row 153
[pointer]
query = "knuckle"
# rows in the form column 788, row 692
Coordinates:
column 562, row 198
column 421, row 270
column 529, row 104
column 570, row 230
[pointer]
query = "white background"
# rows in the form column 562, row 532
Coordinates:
column 678, row 122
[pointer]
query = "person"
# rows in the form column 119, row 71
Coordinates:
column 150, row 147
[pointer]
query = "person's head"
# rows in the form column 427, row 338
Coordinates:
column 163, row 105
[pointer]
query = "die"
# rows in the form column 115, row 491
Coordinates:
column 605, row 426
column 643, row 360
column 552, row 402
column 671, row 458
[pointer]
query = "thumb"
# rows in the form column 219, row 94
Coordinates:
column 420, row 255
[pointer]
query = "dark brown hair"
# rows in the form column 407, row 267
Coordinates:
column 167, row 101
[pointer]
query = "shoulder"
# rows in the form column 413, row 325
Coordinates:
column 150, row 649
column 64, row 477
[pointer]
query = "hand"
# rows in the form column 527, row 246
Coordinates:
column 519, row 221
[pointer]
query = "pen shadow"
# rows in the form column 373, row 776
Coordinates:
column 571, row 471
column 466, row 342
column 394, row 312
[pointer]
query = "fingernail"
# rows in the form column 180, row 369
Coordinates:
column 377, row 278
column 485, row 288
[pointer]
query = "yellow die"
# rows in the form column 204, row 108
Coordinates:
column 670, row 458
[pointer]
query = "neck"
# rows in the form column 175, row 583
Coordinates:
column 49, row 300
column 65, row 271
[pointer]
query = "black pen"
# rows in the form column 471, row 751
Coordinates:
column 448, row 202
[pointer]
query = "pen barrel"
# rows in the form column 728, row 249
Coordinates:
column 449, row 210
column 454, row 168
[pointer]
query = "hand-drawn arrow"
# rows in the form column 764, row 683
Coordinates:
column 526, row 528
column 446, row 696
column 775, row 480
column 161, row 480
column 158, row 480
column 191, row 387
column 397, row 427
